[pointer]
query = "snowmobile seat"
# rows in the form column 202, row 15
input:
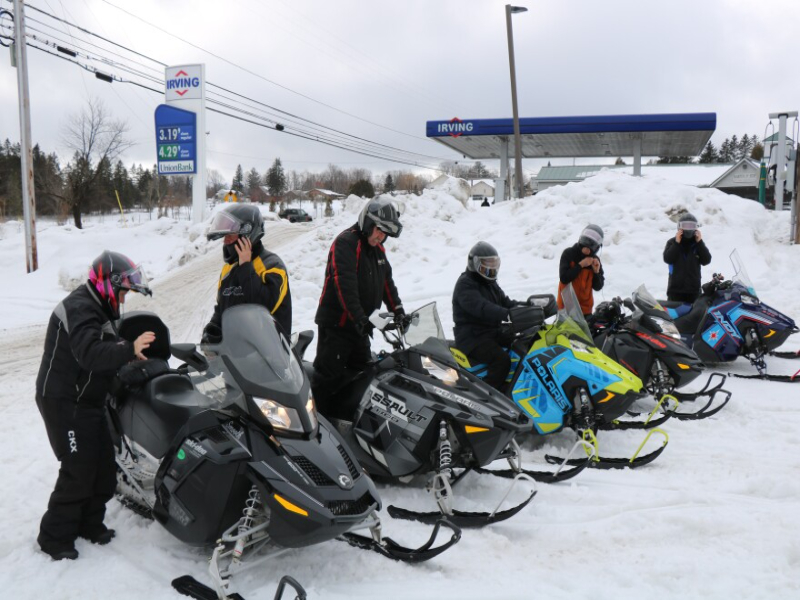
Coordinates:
column 154, row 418
column 676, row 309
column 135, row 323
column 693, row 320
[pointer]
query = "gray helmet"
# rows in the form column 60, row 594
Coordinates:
column 591, row 237
column 245, row 220
column 484, row 260
column 382, row 213
column 688, row 223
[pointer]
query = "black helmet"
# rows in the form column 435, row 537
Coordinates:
column 688, row 223
column 591, row 237
column 484, row 260
column 382, row 213
column 244, row 220
column 112, row 272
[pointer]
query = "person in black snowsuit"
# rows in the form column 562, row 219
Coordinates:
column 358, row 280
column 251, row 273
column 685, row 254
column 82, row 353
column 479, row 308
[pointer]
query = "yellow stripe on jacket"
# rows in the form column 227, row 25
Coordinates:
column 262, row 272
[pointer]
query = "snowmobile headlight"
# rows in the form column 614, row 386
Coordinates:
column 748, row 299
column 311, row 409
column 446, row 374
column 280, row 416
column 666, row 327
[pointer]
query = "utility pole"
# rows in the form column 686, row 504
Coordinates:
column 26, row 152
column 517, row 141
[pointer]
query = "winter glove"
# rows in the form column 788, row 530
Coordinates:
column 364, row 327
column 212, row 334
column 402, row 319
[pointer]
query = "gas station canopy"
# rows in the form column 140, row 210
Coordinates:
column 614, row 135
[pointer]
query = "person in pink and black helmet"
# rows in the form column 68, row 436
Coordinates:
column 82, row 352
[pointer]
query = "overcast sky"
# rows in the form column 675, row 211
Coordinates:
column 398, row 64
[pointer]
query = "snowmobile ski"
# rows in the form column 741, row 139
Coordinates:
column 387, row 547
column 189, row 586
column 648, row 423
column 601, row 462
column 766, row 377
column 795, row 354
column 458, row 517
column 560, row 474
column 712, row 387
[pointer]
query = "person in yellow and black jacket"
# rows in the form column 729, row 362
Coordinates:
column 251, row 273
column 358, row 280
column 581, row 267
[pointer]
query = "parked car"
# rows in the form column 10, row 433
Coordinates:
column 295, row 215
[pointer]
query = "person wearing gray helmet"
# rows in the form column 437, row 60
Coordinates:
column 685, row 254
column 581, row 267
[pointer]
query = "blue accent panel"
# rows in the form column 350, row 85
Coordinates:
column 594, row 124
column 713, row 335
column 672, row 313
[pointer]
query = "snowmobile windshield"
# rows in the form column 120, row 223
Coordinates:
column 570, row 320
column 740, row 274
column 424, row 324
column 259, row 353
column 645, row 301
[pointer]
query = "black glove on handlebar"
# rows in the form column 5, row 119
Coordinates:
column 364, row 327
column 212, row 334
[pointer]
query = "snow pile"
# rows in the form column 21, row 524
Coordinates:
column 455, row 187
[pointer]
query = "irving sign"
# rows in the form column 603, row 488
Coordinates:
column 184, row 83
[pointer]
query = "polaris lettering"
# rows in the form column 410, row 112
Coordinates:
column 548, row 382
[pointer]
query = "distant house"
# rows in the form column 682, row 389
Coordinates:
column 321, row 194
column 700, row 175
column 740, row 179
column 293, row 195
column 482, row 189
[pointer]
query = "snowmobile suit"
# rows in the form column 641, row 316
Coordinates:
column 684, row 260
column 262, row 280
column 479, row 307
column 358, row 280
column 81, row 355
column 583, row 279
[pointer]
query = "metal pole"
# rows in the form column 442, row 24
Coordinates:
column 517, row 141
column 26, row 152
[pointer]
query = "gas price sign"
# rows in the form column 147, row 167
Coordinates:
column 176, row 140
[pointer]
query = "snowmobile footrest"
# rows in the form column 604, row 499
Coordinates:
column 459, row 518
column 391, row 549
column 189, row 586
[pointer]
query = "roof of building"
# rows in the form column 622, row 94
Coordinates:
column 690, row 174
column 611, row 135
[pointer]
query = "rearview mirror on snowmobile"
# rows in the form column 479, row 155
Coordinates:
column 629, row 304
column 188, row 353
column 547, row 302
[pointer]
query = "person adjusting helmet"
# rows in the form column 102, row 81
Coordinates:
column 110, row 274
column 82, row 353
column 358, row 280
column 251, row 273
column 479, row 308
column 685, row 254
column 581, row 267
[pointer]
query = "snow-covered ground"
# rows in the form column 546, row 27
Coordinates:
column 714, row 517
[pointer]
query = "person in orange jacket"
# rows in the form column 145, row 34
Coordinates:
column 581, row 267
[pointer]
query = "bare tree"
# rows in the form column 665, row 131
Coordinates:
column 214, row 182
column 95, row 138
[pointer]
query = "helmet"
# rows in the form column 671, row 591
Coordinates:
column 688, row 223
column 484, row 260
column 112, row 272
column 382, row 213
column 591, row 237
column 244, row 220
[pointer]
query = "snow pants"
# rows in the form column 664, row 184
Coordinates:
column 338, row 350
column 80, row 439
column 497, row 361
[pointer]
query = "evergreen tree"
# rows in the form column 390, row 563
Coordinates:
column 276, row 179
column 388, row 184
column 238, row 180
column 709, row 154
column 725, row 154
column 363, row 188
column 734, row 149
column 745, row 147
column 253, row 182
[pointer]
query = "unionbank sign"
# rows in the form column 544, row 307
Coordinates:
column 455, row 127
column 184, row 83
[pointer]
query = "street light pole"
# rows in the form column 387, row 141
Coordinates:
column 517, row 141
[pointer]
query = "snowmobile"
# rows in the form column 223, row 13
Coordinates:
column 228, row 451
column 648, row 344
column 412, row 413
column 729, row 320
column 560, row 379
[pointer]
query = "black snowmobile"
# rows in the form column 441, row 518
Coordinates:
column 228, row 450
column 648, row 344
column 412, row 412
